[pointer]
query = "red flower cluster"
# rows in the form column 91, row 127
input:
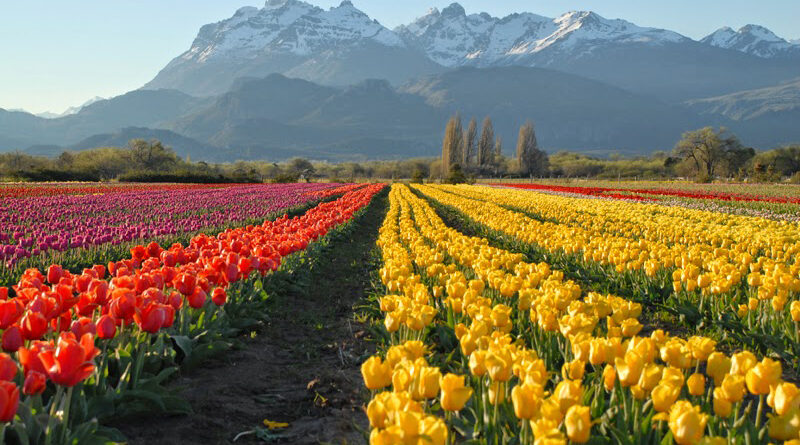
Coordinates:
column 320, row 194
column 61, row 313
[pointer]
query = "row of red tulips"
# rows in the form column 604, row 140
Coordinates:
column 51, row 321
column 647, row 194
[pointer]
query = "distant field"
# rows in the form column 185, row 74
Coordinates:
column 756, row 189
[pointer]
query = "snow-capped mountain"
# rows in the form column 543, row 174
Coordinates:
column 752, row 39
column 287, row 27
column 341, row 45
column 453, row 38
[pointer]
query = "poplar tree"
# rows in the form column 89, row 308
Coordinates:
column 486, row 143
column 451, row 145
column 470, row 138
column 531, row 160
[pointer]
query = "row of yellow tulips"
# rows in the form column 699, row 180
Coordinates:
column 425, row 264
column 746, row 264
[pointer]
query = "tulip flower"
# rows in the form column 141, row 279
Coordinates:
column 526, row 399
column 687, row 423
column 9, row 400
column 377, row 374
column 12, row 339
column 454, row 394
column 71, row 362
column 578, row 423
column 762, row 376
column 106, row 327
column 35, row 383
column 696, row 384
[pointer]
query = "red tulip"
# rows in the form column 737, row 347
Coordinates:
column 10, row 311
column 123, row 303
column 29, row 357
column 184, row 283
column 72, row 361
column 198, row 298
column 219, row 296
column 3, row 293
column 83, row 325
column 151, row 317
column 34, row 326
column 8, row 367
column 106, row 327
column 54, row 274
column 175, row 300
column 9, row 401
column 35, row 383
column 12, row 339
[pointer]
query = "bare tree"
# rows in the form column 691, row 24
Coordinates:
column 707, row 149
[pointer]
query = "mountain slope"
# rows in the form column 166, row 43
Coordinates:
column 137, row 108
column 570, row 112
column 338, row 46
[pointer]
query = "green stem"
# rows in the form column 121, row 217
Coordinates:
column 48, row 435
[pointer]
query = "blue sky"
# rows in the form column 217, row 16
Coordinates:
column 55, row 53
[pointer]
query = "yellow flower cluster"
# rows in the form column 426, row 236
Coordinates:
column 487, row 294
column 707, row 251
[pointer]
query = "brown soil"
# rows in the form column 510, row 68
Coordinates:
column 301, row 368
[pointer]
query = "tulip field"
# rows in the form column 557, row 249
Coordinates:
column 485, row 314
column 518, row 316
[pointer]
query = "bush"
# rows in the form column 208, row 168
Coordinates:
column 456, row 175
column 179, row 177
column 285, row 177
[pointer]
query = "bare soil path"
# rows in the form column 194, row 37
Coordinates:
column 301, row 368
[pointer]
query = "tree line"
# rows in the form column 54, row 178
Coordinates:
column 470, row 153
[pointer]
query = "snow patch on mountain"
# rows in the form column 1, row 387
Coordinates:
column 751, row 39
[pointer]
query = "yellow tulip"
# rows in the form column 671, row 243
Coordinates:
column 631, row 327
column 701, row 347
column 722, row 407
column 786, row 397
column 629, row 368
column 741, row 362
column 377, row 374
column 717, row 366
column 434, row 430
column 573, row 370
column 477, row 363
column 578, row 422
column 427, row 384
column 498, row 364
column 760, row 377
column 696, row 384
column 497, row 393
column 526, row 399
column 609, row 377
column 664, row 396
column 784, row 427
column 651, row 376
column 454, row 393
column 687, row 423
column 733, row 388
column 794, row 310
column 568, row 393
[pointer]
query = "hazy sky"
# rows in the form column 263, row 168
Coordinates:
column 55, row 53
